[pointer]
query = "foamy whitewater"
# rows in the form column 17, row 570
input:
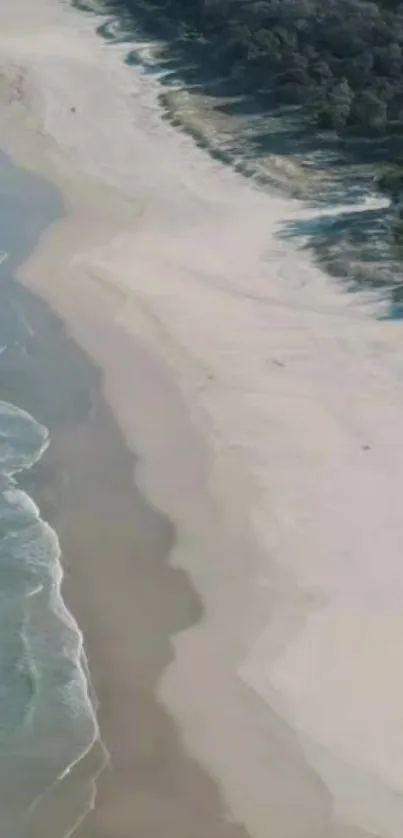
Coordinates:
column 298, row 389
column 47, row 722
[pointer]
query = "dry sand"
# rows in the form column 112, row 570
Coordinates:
column 267, row 410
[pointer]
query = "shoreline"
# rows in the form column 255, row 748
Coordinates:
column 128, row 603
column 181, row 459
column 87, row 303
column 232, row 448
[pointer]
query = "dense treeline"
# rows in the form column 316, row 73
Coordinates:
column 341, row 60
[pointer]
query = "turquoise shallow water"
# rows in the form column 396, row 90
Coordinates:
column 47, row 721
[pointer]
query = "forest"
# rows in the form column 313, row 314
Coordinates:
column 339, row 60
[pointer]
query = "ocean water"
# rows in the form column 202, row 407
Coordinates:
column 47, row 721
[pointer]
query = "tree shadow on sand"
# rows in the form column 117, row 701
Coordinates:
column 324, row 170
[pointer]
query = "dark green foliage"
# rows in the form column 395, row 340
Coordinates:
column 341, row 60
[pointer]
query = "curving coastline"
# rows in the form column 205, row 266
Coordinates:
column 47, row 722
column 266, row 408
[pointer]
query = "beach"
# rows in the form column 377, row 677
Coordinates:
column 84, row 486
column 225, row 468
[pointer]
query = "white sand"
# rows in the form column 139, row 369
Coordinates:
column 287, row 381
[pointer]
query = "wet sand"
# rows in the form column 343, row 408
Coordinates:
column 128, row 600
column 240, row 419
column 118, row 581
column 131, row 601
